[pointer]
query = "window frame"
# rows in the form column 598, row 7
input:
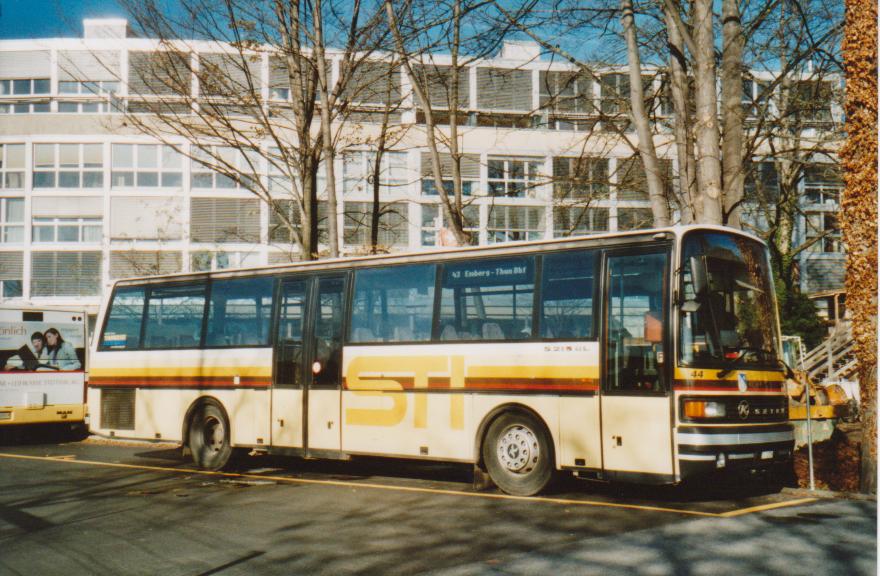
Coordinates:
column 666, row 373
column 349, row 308
column 135, row 169
column 58, row 168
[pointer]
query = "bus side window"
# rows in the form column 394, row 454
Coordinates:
column 122, row 330
column 174, row 316
column 488, row 299
column 394, row 304
column 240, row 312
column 567, row 295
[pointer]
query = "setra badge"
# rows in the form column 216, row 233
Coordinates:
column 742, row 382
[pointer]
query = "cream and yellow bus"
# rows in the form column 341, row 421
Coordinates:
column 42, row 366
column 648, row 356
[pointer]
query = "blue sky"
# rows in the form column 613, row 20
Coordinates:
column 51, row 18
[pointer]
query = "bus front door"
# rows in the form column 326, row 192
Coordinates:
column 308, row 354
column 636, row 410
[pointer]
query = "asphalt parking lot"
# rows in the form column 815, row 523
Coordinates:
column 99, row 507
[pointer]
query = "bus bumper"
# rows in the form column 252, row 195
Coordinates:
column 703, row 449
column 12, row 415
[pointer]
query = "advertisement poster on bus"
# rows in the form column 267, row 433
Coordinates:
column 42, row 351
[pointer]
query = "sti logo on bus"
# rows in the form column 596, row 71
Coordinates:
column 370, row 376
column 742, row 382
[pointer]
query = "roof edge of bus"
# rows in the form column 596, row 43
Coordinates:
column 677, row 230
column 44, row 308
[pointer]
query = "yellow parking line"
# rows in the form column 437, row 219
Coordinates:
column 548, row 500
column 765, row 507
column 494, row 496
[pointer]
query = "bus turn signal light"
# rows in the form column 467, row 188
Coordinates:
column 704, row 409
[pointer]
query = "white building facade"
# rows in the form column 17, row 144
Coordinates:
column 85, row 198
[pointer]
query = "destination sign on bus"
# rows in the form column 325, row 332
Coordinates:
column 489, row 272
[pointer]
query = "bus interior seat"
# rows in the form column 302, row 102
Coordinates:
column 362, row 335
column 492, row 331
column 158, row 342
column 449, row 333
column 403, row 334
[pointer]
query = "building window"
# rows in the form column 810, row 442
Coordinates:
column 433, row 221
column 68, row 165
column 634, row 218
column 358, row 168
column 12, row 220
column 98, row 89
column 512, row 223
column 280, row 232
column 225, row 220
column 24, row 87
column 514, row 177
column 128, row 263
column 579, row 220
column 12, row 166
column 146, row 166
column 80, row 230
column 823, row 230
column 393, row 225
column 211, row 167
column 65, row 273
column 11, row 272
column 822, row 184
column 580, row 178
column 205, row 261
column 469, row 168
column 811, row 100
column 632, row 180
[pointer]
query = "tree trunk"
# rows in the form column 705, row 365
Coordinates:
column 452, row 218
column 732, row 110
column 691, row 201
column 326, row 128
column 647, row 151
column 706, row 126
column 859, row 213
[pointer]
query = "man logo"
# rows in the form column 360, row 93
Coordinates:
column 743, row 410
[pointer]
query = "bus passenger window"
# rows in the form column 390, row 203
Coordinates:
column 567, row 295
column 393, row 304
column 174, row 316
column 635, row 325
column 240, row 312
column 487, row 299
column 122, row 330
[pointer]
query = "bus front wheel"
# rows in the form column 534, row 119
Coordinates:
column 209, row 437
column 518, row 454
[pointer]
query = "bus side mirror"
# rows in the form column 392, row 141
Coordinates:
column 698, row 274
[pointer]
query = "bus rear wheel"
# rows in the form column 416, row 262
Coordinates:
column 208, row 437
column 518, row 454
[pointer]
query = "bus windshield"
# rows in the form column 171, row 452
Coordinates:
column 727, row 312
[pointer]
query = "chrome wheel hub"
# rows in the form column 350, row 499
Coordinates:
column 518, row 449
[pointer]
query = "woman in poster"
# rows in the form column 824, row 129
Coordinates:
column 60, row 354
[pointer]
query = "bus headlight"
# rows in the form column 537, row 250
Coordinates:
column 704, row 409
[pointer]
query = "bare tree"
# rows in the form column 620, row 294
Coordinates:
column 259, row 80
column 459, row 28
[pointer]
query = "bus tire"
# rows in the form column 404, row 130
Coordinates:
column 518, row 454
column 208, row 437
